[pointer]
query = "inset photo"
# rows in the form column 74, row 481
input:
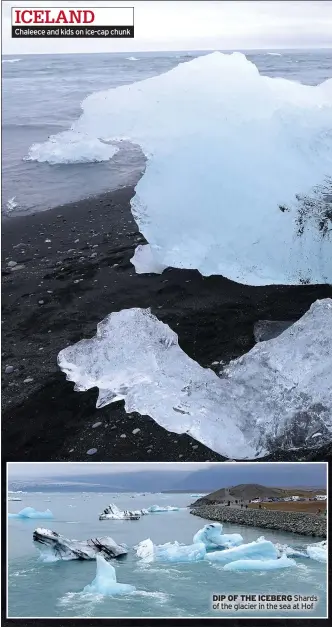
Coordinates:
column 165, row 540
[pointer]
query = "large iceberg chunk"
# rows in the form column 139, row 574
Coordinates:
column 105, row 582
column 258, row 550
column 236, row 182
column 212, row 537
column 56, row 546
column 269, row 564
column 279, row 394
column 30, row 512
column 170, row 552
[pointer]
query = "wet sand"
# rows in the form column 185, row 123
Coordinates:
column 66, row 286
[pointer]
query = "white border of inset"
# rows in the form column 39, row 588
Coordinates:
column 217, row 617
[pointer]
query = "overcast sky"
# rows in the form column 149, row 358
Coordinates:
column 200, row 25
column 310, row 474
column 44, row 470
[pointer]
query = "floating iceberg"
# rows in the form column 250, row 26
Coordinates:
column 278, row 395
column 212, row 537
column 170, row 552
column 57, row 546
column 145, row 550
column 269, row 564
column 258, row 550
column 284, row 549
column 105, row 582
column 112, row 512
column 30, row 512
column 236, row 182
column 318, row 551
column 162, row 508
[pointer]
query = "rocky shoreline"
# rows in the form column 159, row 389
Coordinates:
column 294, row 522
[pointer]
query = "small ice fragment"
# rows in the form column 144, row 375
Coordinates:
column 97, row 424
column 273, row 564
column 135, row 431
column 30, row 512
column 145, row 260
column 105, row 582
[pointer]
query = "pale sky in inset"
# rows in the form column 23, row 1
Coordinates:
column 200, row 25
column 27, row 470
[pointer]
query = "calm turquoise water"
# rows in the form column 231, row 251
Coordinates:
column 54, row 589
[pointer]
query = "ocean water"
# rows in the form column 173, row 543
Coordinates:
column 42, row 96
column 54, row 589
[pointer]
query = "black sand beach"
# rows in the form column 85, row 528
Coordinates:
column 70, row 283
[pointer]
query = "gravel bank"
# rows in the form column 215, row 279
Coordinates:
column 295, row 522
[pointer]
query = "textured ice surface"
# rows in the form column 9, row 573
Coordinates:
column 259, row 550
column 318, row 551
column 112, row 512
column 212, row 537
column 268, row 564
column 145, row 550
column 277, row 395
column 76, row 149
column 160, row 508
column 56, row 546
column 105, row 582
column 170, row 552
column 237, row 164
column 30, row 512
column 284, row 549
column 146, row 261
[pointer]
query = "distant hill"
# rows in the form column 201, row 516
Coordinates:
column 284, row 475
column 207, row 479
column 249, row 491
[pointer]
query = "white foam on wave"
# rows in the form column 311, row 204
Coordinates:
column 254, row 408
column 238, row 173
column 132, row 59
column 10, row 60
column 11, row 204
